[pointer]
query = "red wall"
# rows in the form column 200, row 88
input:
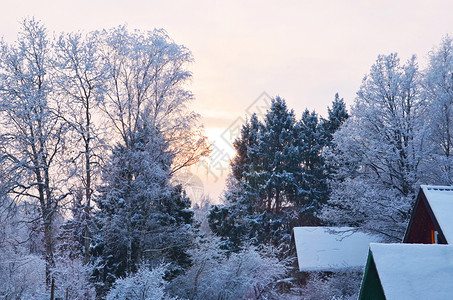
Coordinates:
column 422, row 224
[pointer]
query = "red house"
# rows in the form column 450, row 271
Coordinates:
column 432, row 218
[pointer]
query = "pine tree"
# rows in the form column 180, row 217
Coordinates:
column 232, row 220
column 336, row 117
column 280, row 157
column 142, row 216
column 263, row 185
column 313, row 187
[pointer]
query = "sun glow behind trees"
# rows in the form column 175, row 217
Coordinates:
column 98, row 124
column 62, row 98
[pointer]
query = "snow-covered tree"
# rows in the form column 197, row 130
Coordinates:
column 142, row 216
column 280, row 165
column 378, row 150
column 53, row 96
column 22, row 276
column 263, row 182
column 72, row 278
column 278, row 179
column 32, row 131
column 438, row 88
column 147, row 78
column 313, row 190
column 341, row 285
column 337, row 115
column 79, row 79
column 22, row 270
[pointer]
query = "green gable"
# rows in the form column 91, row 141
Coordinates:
column 371, row 285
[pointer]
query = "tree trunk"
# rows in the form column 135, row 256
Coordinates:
column 129, row 249
column 48, row 241
column 88, row 191
column 52, row 290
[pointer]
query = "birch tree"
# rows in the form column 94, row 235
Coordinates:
column 147, row 79
column 79, row 79
column 142, row 215
column 32, row 131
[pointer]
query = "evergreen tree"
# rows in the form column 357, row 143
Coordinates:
column 313, row 188
column 279, row 177
column 248, row 162
column 336, row 117
column 265, row 182
column 280, row 158
column 141, row 215
column 242, row 199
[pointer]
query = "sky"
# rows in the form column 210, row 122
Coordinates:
column 248, row 51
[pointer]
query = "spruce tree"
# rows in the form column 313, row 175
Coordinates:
column 279, row 176
column 280, row 157
column 142, row 217
column 263, row 184
column 232, row 221
column 313, row 188
column 336, row 117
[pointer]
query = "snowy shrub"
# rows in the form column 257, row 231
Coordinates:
column 343, row 285
column 249, row 274
column 72, row 279
column 22, row 277
column 146, row 284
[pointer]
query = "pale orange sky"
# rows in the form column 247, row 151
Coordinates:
column 304, row 51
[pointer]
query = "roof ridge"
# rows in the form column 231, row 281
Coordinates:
column 437, row 188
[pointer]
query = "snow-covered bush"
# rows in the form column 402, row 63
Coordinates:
column 249, row 274
column 22, row 273
column 343, row 285
column 72, row 279
column 146, row 284
column 22, row 276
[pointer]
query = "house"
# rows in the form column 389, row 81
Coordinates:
column 408, row 272
column 431, row 220
column 331, row 248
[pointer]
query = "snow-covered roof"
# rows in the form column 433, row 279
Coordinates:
column 414, row 271
column 331, row 248
column 440, row 199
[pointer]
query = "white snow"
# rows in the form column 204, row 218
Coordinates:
column 414, row 271
column 331, row 248
column 440, row 199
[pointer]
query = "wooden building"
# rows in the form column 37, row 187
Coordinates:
column 413, row 270
column 432, row 217
column 331, row 249
column 408, row 272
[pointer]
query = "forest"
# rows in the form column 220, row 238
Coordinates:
column 95, row 127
